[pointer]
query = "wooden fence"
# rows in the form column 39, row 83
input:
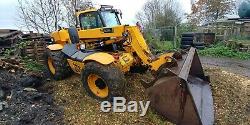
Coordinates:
column 225, row 30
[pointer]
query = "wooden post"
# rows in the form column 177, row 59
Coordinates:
column 225, row 35
column 35, row 51
column 175, row 36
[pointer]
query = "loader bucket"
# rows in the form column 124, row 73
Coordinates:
column 183, row 94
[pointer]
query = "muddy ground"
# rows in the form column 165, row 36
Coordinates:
column 24, row 101
column 38, row 101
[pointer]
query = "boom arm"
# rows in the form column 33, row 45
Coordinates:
column 141, row 48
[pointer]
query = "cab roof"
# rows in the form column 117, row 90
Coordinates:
column 86, row 11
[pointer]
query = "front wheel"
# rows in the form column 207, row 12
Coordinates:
column 57, row 65
column 103, row 82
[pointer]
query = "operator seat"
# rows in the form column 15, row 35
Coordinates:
column 73, row 35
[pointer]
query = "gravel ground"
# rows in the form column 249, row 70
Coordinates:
column 230, row 92
column 231, row 95
column 82, row 109
column 236, row 66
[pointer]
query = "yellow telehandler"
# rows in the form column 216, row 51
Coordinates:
column 102, row 50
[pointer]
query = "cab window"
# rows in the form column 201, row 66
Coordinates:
column 90, row 20
column 110, row 18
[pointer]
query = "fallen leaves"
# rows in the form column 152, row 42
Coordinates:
column 231, row 97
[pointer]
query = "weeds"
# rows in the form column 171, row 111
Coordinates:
column 32, row 65
column 221, row 50
column 29, row 64
column 15, row 50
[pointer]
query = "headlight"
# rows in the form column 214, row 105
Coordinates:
column 83, row 46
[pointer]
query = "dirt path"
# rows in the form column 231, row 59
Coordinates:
column 236, row 66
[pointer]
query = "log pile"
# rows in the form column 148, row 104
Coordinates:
column 11, row 65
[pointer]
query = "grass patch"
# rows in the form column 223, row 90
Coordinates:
column 33, row 65
column 158, row 46
column 164, row 45
column 223, row 51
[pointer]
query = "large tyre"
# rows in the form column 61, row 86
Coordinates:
column 200, row 47
column 187, row 39
column 58, row 65
column 199, row 43
column 103, row 82
column 188, row 34
column 186, row 42
column 185, row 46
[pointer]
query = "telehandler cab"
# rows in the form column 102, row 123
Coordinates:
column 102, row 50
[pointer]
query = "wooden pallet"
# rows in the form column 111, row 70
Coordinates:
column 36, row 50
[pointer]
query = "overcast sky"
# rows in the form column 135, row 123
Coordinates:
column 129, row 8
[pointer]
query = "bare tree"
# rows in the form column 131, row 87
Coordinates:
column 46, row 15
column 159, row 13
column 71, row 6
column 39, row 15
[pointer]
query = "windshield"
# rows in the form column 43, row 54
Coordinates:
column 90, row 20
column 110, row 19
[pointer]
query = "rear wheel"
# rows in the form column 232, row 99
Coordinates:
column 57, row 65
column 103, row 82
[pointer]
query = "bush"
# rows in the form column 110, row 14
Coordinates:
column 220, row 50
column 161, row 46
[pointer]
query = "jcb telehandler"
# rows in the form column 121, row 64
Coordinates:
column 102, row 50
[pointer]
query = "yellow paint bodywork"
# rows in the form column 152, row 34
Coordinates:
column 86, row 11
column 136, row 50
column 139, row 45
column 76, row 66
column 98, row 33
column 125, row 61
column 165, row 58
column 103, row 58
column 135, row 44
column 54, row 47
column 61, row 36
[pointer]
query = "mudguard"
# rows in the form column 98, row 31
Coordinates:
column 55, row 47
column 88, row 55
column 100, row 57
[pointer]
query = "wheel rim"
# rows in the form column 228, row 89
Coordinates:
column 97, row 86
column 51, row 66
